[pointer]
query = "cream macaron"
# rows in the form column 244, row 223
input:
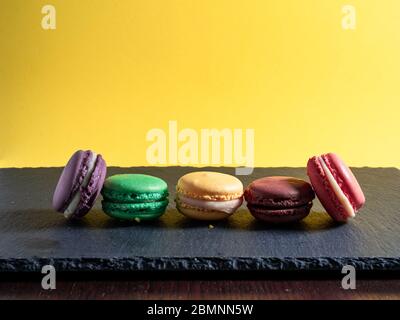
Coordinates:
column 206, row 195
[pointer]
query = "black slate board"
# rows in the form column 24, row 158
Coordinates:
column 32, row 234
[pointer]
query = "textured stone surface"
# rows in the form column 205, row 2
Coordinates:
column 32, row 234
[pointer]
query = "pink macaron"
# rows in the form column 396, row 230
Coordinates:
column 336, row 186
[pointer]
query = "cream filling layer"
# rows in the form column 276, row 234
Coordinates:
column 77, row 197
column 228, row 206
column 344, row 201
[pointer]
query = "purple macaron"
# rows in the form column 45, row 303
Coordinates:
column 279, row 199
column 79, row 185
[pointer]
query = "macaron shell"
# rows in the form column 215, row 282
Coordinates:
column 345, row 179
column 209, row 185
column 135, row 184
column 70, row 180
column 280, row 215
column 324, row 191
column 131, row 211
column 279, row 192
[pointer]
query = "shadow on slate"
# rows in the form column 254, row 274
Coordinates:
column 32, row 234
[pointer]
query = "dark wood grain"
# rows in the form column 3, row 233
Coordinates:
column 203, row 289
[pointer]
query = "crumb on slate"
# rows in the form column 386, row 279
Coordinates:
column 210, row 226
column 137, row 220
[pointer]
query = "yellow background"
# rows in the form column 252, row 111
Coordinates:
column 114, row 69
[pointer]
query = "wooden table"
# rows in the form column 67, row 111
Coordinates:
column 201, row 288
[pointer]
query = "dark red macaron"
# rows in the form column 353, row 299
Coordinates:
column 279, row 199
column 336, row 186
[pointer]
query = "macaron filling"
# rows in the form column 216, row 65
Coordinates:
column 227, row 206
column 76, row 198
column 342, row 198
column 278, row 209
column 130, row 197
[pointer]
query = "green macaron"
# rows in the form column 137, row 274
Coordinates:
column 134, row 196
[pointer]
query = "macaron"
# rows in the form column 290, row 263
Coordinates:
column 206, row 195
column 279, row 199
column 79, row 184
column 134, row 197
column 336, row 186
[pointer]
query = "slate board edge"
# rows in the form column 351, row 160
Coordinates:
column 35, row 264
